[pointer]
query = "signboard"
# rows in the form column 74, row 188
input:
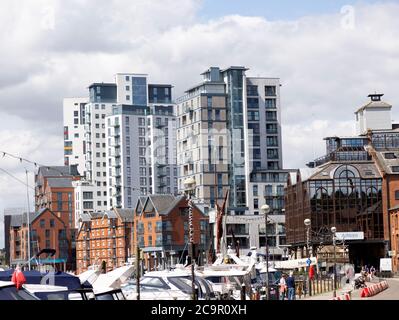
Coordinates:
column 386, row 264
column 391, row 253
column 296, row 263
column 350, row 236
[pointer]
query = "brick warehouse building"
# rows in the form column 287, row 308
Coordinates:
column 104, row 238
column 48, row 231
column 161, row 230
column 387, row 159
column 54, row 190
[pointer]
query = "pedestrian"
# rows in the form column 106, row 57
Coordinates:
column 372, row 273
column 291, row 286
column 283, row 287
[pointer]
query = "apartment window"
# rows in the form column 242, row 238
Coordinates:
column 87, row 195
column 270, row 91
column 141, row 132
column 42, row 223
column 59, row 201
column 252, row 90
column 52, row 223
column 397, row 195
column 47, row 233
column 272, row 153
column 47, row 243
column 141, row 122
column 271, row 116
column 127, row 140
column 127, row 88
column 128, row 98
column 270, row 103
column 255, row 190
column 256, row 204
column 127, row 78
column 76, row 121
column 217, row 115
column 209, row 102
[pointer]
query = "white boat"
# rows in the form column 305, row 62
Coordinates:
column 112, row 280
column 169, row 285
column 8, row 291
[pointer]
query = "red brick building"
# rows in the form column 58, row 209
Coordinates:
column 104, row 239
column 162, row 229
column 388, row 163
column 54, row 190
column 47, row 231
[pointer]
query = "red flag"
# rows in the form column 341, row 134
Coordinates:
column 18, row 278
column 311, row 272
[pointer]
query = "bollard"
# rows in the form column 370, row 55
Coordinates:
column 243, row 296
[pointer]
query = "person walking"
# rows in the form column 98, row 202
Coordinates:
column 372, row 272
column 291, row 286
column 283, row 287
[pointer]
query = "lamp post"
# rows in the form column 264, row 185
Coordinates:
column 265, row 210
column 307, row 223
column 333, row 231
column 190, row 187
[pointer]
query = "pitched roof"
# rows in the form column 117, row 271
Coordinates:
column 60, row 182
column 125, row 214
column 54, row 171
column 374, row 104
column 162, row 203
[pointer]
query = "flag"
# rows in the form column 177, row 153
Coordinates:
column 18, row 278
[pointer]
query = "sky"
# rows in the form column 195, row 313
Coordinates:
column 328, row 54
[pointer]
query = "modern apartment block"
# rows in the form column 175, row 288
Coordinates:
column 128, row 143
column 102, row 99
column 141, row 142
column 74, row 133
column 228, row 126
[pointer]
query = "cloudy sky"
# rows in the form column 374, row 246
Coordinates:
column 329, row 55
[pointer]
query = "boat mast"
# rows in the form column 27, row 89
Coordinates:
column 28, row 216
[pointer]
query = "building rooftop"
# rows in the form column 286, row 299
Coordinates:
column 374, row 103
column 365, row 170
column 60, row 182
column 388, row 160
column 54, row 171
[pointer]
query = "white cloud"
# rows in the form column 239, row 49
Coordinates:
column 54, row 49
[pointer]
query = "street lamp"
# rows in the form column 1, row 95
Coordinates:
column 265, row 210
column 189, row 185
column 307, row 223
column 333, row 231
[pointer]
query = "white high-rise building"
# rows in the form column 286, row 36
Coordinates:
column 141, row 141
column 74, row 132
column 128, row 139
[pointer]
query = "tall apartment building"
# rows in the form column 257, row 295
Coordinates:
column 128, row 144
column 229, row 138
column 141, row 142
column 74, row 133
column 220, row 125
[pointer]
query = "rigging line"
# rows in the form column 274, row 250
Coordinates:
column 14, row 177
column 36, row 164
